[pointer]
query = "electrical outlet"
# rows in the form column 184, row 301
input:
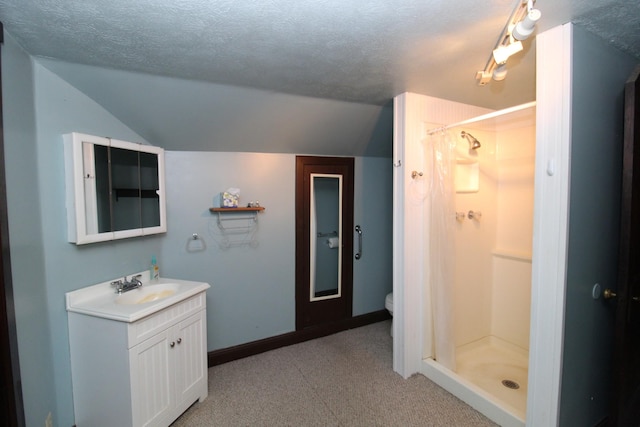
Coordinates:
column 49, row 421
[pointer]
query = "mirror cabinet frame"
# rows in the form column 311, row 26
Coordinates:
column 81, row 200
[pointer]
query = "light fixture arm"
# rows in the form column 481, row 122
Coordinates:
column 529, row 5
column 507, row 44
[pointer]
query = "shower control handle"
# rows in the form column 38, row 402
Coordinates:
column 474, row 215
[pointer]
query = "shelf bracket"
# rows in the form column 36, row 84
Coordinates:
column 237, row 214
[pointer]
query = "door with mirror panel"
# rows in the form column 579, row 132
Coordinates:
column 324, row 240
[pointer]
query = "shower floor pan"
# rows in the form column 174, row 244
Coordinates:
column 482, row 366
column 497, row 367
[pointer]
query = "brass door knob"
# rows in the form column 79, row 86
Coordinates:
column 609, row 294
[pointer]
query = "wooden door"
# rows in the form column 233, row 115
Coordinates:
column 11, row 406
column 626, row 395
column 321, row 305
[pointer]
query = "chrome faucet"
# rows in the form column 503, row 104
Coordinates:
column 125, row 285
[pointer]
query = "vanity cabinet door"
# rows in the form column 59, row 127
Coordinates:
column 152, row 382
column 191, row 364
column 168, row 372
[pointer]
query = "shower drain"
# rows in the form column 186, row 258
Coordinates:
column 510, row 384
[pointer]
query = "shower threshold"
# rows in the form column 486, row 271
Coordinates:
column 486, row 403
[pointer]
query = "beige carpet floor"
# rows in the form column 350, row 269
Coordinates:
column 344, row 379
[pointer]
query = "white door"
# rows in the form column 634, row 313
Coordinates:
column 151, row 380
column 190, row 362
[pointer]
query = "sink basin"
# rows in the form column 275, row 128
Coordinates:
column 146, row 294
column 100, row 301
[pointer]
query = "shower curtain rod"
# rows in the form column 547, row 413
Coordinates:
column 483, row 117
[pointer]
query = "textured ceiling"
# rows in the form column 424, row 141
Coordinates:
column 356, row 50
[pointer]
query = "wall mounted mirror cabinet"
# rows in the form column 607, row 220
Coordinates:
column 115, row 189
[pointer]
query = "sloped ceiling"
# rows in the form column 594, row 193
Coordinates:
column 363, row 51
column 355, row 51
column 179, row 114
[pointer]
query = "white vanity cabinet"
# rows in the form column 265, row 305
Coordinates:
column 141, row 373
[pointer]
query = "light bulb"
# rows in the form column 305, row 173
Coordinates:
column 500, row 72
column 502, row 53
column 525, row 27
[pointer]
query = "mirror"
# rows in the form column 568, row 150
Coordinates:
column 326, row 236
column 115, row 189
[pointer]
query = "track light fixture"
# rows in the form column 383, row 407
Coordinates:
column 520, row 25
column 500, row 72
column 524, row 28
column 502, row 53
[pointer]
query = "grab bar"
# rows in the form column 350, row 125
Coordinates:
column 359, row 231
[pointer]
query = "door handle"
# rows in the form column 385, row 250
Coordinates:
column 609, row 294
column 359, row 231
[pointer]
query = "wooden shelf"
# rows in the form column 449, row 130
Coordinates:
column 235, row 223
column 238, row 209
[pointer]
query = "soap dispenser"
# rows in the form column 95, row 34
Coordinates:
column 154, row 270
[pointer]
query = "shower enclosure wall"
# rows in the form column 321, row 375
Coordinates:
column 486, row 314
column 492, row 280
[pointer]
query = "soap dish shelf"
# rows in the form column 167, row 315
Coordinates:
column 236, row 214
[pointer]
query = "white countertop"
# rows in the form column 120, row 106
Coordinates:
column 101, row 300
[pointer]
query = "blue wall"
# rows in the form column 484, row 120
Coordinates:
column 188, row 115
column 252, row 293
column 599, row 74
column 25, row 234
column 60, row 109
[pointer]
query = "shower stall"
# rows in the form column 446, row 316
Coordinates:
column 475, row 188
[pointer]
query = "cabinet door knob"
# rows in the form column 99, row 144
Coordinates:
column 179, row 340
column 172, row 344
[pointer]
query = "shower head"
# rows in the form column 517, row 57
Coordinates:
column 474, row 144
